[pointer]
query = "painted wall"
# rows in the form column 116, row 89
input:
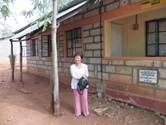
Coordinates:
column 134, row 40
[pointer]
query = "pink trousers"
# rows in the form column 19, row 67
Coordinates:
column 81, row 102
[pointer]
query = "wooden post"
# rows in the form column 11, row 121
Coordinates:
column 12, row 60
column 20, row 61
column 55, row 83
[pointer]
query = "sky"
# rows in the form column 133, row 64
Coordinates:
column 15, row 22
column 16, row 19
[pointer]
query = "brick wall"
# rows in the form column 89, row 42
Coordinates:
column 37, row 64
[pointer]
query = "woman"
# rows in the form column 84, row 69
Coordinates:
column 79, row 70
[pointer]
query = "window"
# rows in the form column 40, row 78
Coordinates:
column 156, row 37
column 46, row 47
column 73, row 38
column 24, row 51
column 34, row 47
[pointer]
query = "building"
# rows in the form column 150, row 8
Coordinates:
column 123, row 42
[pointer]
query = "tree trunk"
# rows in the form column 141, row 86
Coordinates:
column 55, row 84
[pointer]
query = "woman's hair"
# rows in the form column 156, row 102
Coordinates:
column 78, row 54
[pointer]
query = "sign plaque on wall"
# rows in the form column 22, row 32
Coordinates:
column 148, row 76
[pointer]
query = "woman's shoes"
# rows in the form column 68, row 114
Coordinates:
column 85, row 115
column 78, row 115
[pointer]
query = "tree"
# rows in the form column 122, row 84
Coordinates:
column 4, row 7
column 5, row 30
column 56, row 104
column 55, row 86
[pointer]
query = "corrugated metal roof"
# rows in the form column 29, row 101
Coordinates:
column 6, row 37
column 69, row 5
column 25, row 31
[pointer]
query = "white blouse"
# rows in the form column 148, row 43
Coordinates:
column 77, row 73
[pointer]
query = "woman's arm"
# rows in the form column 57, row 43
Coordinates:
column 86, row 72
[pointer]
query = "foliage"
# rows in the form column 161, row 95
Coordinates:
column 5, row 29
column 40, row 7
column 5, row 32
column 43, row 8
column 4, row 7
column 62, row 3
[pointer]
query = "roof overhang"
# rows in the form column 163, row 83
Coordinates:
column 63, row 15
column 7, row 37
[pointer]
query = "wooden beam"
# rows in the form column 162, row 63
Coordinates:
column 119, row 13
column 20, row 61
column 12, row 60
column 20, row 40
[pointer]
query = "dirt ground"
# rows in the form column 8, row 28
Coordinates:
column 28, row 103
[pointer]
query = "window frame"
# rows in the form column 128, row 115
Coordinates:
column 34, row 47
column 157, row 39
column 73, row 37
column 49, row 45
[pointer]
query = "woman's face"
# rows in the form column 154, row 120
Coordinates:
column 77, row 59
